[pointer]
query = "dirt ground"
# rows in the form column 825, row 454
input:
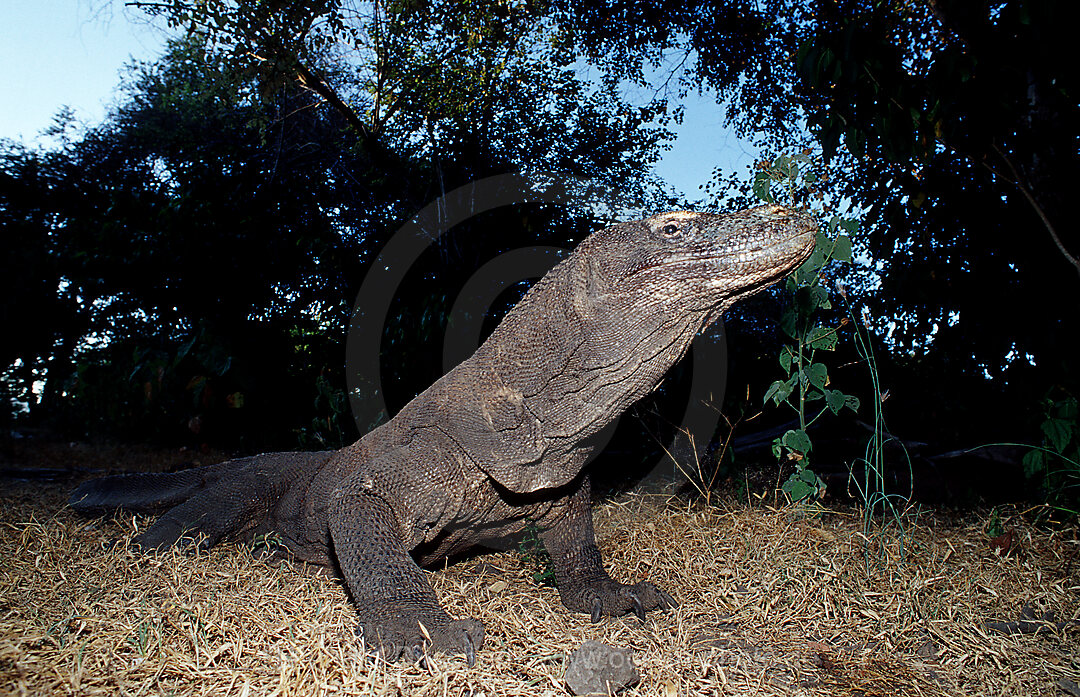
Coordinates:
column 770, row 605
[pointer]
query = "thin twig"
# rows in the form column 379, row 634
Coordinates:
column 1018, row 182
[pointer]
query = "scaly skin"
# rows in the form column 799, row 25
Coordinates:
column 501, row 438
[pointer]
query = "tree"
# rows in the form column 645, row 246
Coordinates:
column 487, row 82
column 190, row 243
column 32, row 285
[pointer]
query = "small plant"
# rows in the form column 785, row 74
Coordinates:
column 1055, row 465
column 869, row 479
column 994, row 526
column 807, row 379
column 706, row 470
column 267, row 544
column 535, row 555
column 146, row 636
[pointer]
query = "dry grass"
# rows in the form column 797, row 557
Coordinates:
column 770, row 606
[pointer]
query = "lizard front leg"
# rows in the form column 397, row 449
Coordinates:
column 579, row 571
column 398, row 608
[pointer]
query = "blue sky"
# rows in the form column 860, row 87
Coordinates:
column 58, row 52
column 71, row 52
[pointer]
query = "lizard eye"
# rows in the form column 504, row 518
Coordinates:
column 671, row 230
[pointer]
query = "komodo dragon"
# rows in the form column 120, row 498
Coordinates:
column 501, row 439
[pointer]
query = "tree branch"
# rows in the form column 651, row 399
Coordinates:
column 312, row 81
column 1018, row 182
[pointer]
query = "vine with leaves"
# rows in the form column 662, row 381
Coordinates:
column 806, row 387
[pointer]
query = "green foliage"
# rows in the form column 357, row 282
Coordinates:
column 267, row 544
column 994, row 526
column 491, row 81
column 954, row 125
column 247, row 177
column 807, row 379
column 1054, row 468
column 331, row 427
column 535, row 555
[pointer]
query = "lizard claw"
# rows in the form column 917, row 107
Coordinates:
column 597, row 610
column 666, row 601
column 613, row 599
column 394, row 639
column 470, row 651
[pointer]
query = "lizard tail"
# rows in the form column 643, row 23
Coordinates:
column 144, row 492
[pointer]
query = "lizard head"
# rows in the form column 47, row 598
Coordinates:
column 707, row 261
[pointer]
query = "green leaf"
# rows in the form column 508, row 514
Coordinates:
column 835, row 399
column 779, row 391
column 777, row 448
column 814, row 263
column 762, row 181
column 1058, row 433
column 215, row 358
column 184, row 349
column 797, row 440
column 824, row 338
column 820, row 297
column 810, row 298
column 787, row 322
column 798, row 489
column 842, row 248
column 1067, row 409
column 818, row 375
column 1034, row 463
column 786, row 355
column 851, row 402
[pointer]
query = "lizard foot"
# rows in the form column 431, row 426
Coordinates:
column 609, row 598
column 405, row 636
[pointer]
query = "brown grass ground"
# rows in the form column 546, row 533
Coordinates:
column 771, row 605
